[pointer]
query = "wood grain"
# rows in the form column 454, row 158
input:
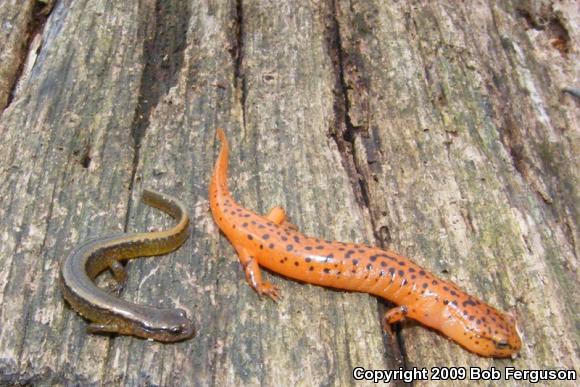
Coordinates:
column 440, row 131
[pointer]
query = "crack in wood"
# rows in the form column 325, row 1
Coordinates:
column 32, row 46
column 541, row 17
column 237, row 53
column 344, row 133
column 163, row 53
column 511, row 138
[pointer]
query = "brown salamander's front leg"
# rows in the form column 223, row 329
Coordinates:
column 105, row 328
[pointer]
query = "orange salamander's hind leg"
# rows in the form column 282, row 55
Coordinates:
column 254, row 276
column 277, row 215
column 394, row 315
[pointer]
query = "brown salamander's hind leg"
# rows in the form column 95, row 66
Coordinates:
column 277, row 215
column 119, row 274
column 254, row 276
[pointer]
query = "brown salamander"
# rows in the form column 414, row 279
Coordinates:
column 109, row 314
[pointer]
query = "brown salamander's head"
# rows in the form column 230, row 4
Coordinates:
column 484, row 331
column 165, row 325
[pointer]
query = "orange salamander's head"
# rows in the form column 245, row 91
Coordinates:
column 484, row 330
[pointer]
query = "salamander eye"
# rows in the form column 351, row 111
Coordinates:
column 502, row 344
column 176, row 330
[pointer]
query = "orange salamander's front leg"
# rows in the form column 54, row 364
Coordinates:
column 277, row 215
column 254, row 275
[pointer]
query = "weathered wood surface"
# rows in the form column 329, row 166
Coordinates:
column 15, row 17
column 437, row 130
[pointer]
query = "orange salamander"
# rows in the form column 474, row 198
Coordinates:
column 270, row 241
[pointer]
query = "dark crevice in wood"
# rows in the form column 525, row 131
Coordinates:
column 570, row 236
column 86, row 159
column 26, row 378
column 547, row 21
column 237, row 53
column 574, row 91
column 344, row 133
column 512, row 139
column 40, row 14
column 82, row 156
column 164, row 48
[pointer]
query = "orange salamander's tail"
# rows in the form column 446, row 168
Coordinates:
column 220, row 177
column 270, row 241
